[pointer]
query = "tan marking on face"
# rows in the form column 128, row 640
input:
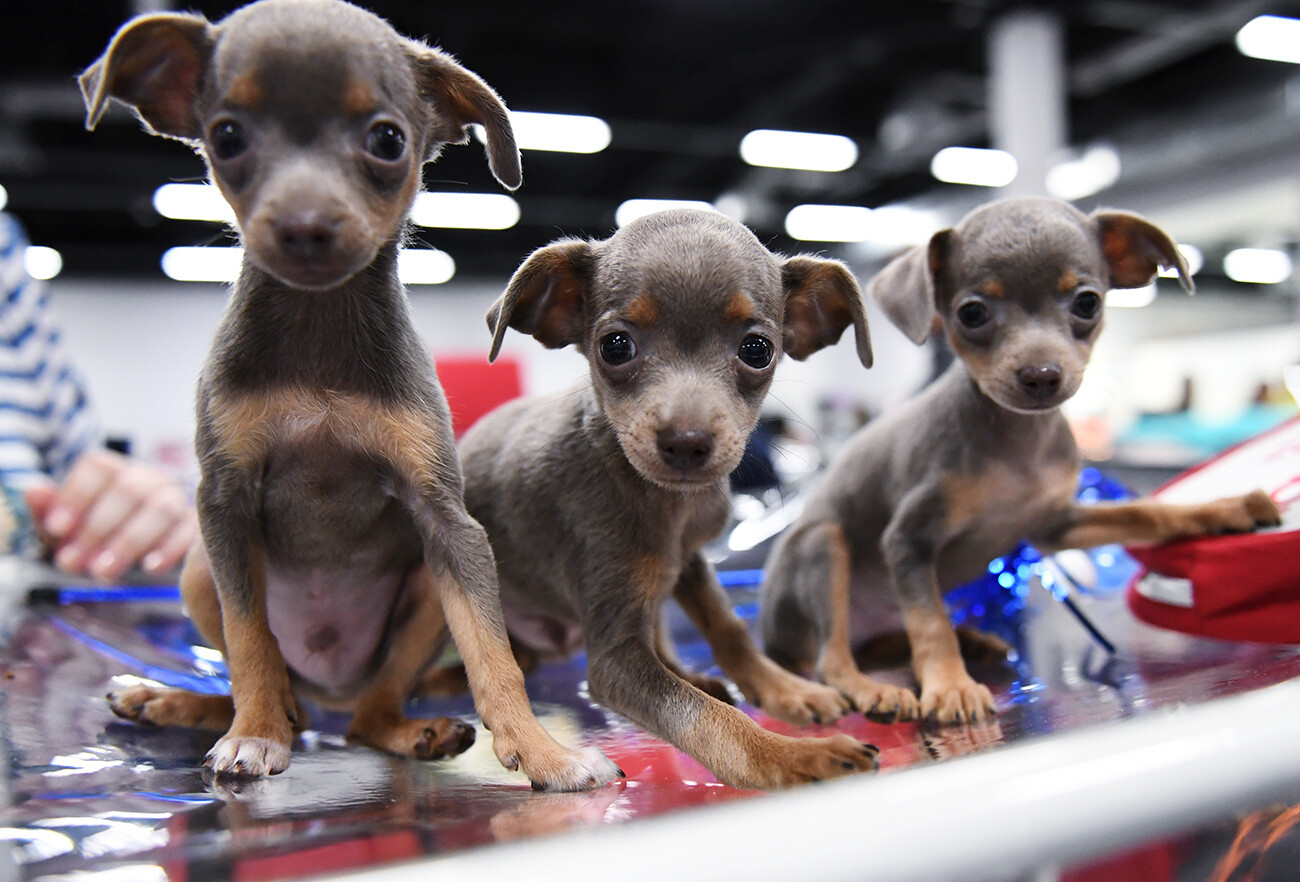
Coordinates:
column 992, row 289
column 246, row 91
column 1068, row 282
column 249, row 426
column 359, row 99
column 740, row 308
column 642, row 311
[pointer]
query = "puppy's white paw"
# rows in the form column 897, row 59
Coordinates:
column 569, row 770
column 247, row 756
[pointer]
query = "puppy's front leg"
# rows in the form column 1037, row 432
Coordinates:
column 1150, row 522
column 910, row 546
column 464, row 570
column 627, row 675
column 261, row 734
column 762, row 681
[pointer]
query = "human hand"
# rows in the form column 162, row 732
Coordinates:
column 112, row 513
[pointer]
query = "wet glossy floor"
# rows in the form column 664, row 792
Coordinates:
column 86, row 792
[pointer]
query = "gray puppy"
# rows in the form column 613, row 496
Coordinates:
column 598, row 501
column 336, row 548
column 922, row 499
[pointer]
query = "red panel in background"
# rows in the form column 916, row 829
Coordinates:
column 474, row 387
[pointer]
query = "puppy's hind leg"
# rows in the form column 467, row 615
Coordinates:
column 166, row 708
column 377, row 720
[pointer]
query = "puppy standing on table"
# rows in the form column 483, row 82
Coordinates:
column 598, row 501
column 336, row 547
column 923, row 498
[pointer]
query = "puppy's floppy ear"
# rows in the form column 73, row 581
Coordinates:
column 821, row 299
column 1135, row 249
column 546, row 296
column 154, row 64
column 461, row 99
column 905, row 288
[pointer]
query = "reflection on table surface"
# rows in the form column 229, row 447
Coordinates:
column 88, row 792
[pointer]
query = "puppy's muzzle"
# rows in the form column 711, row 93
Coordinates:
column 306, row 235
column 685, row 450
column 1040, row 383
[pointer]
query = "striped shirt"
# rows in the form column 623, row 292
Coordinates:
column 46, row 421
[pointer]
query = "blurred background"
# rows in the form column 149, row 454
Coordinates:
column 1186, row 112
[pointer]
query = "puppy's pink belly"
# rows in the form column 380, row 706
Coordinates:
column 873, row 609
column 330, row 624
column 549, row 635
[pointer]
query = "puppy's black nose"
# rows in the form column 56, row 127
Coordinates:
column 1041, row 381
column 685, row 449
column 306, row 235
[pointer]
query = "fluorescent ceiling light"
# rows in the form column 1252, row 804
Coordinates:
column 1260, row 266
column 424, row 266
column 889, row 225
column 42, row 262
column 635, row 208
column 202, row 202
column 207, row 263
column 973, row 165
column 1091, row 172
column 1270, row 37
column 470, row 211
column 829, row 223
column 811, row 151
column 415, row 266
column 1194, row 258
column 558, row 132
column 1131, row 298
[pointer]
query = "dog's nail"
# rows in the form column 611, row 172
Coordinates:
column 817, row 720
column 848, row 765
column 621, row 773
column 539, row 787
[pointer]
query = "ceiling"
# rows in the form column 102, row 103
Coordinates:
column 1208, row 138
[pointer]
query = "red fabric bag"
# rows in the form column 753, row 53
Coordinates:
column 1242, row 587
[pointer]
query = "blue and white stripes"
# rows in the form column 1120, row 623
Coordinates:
column 45, row 419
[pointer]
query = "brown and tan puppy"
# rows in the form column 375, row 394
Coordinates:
column 336, row 547
column 598, row 501
column 922, row 499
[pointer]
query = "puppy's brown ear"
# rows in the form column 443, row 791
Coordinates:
column 821, row 299
column 459, row 99
column 545, row 297
column 905, row 288
column 152, row 64
column 1137, row 249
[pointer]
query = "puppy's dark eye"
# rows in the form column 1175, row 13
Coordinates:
column 386, row 141
column 617, row 348
column 1087, row 305
column 228, row 139
column 973, row 315
column 756, row 351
